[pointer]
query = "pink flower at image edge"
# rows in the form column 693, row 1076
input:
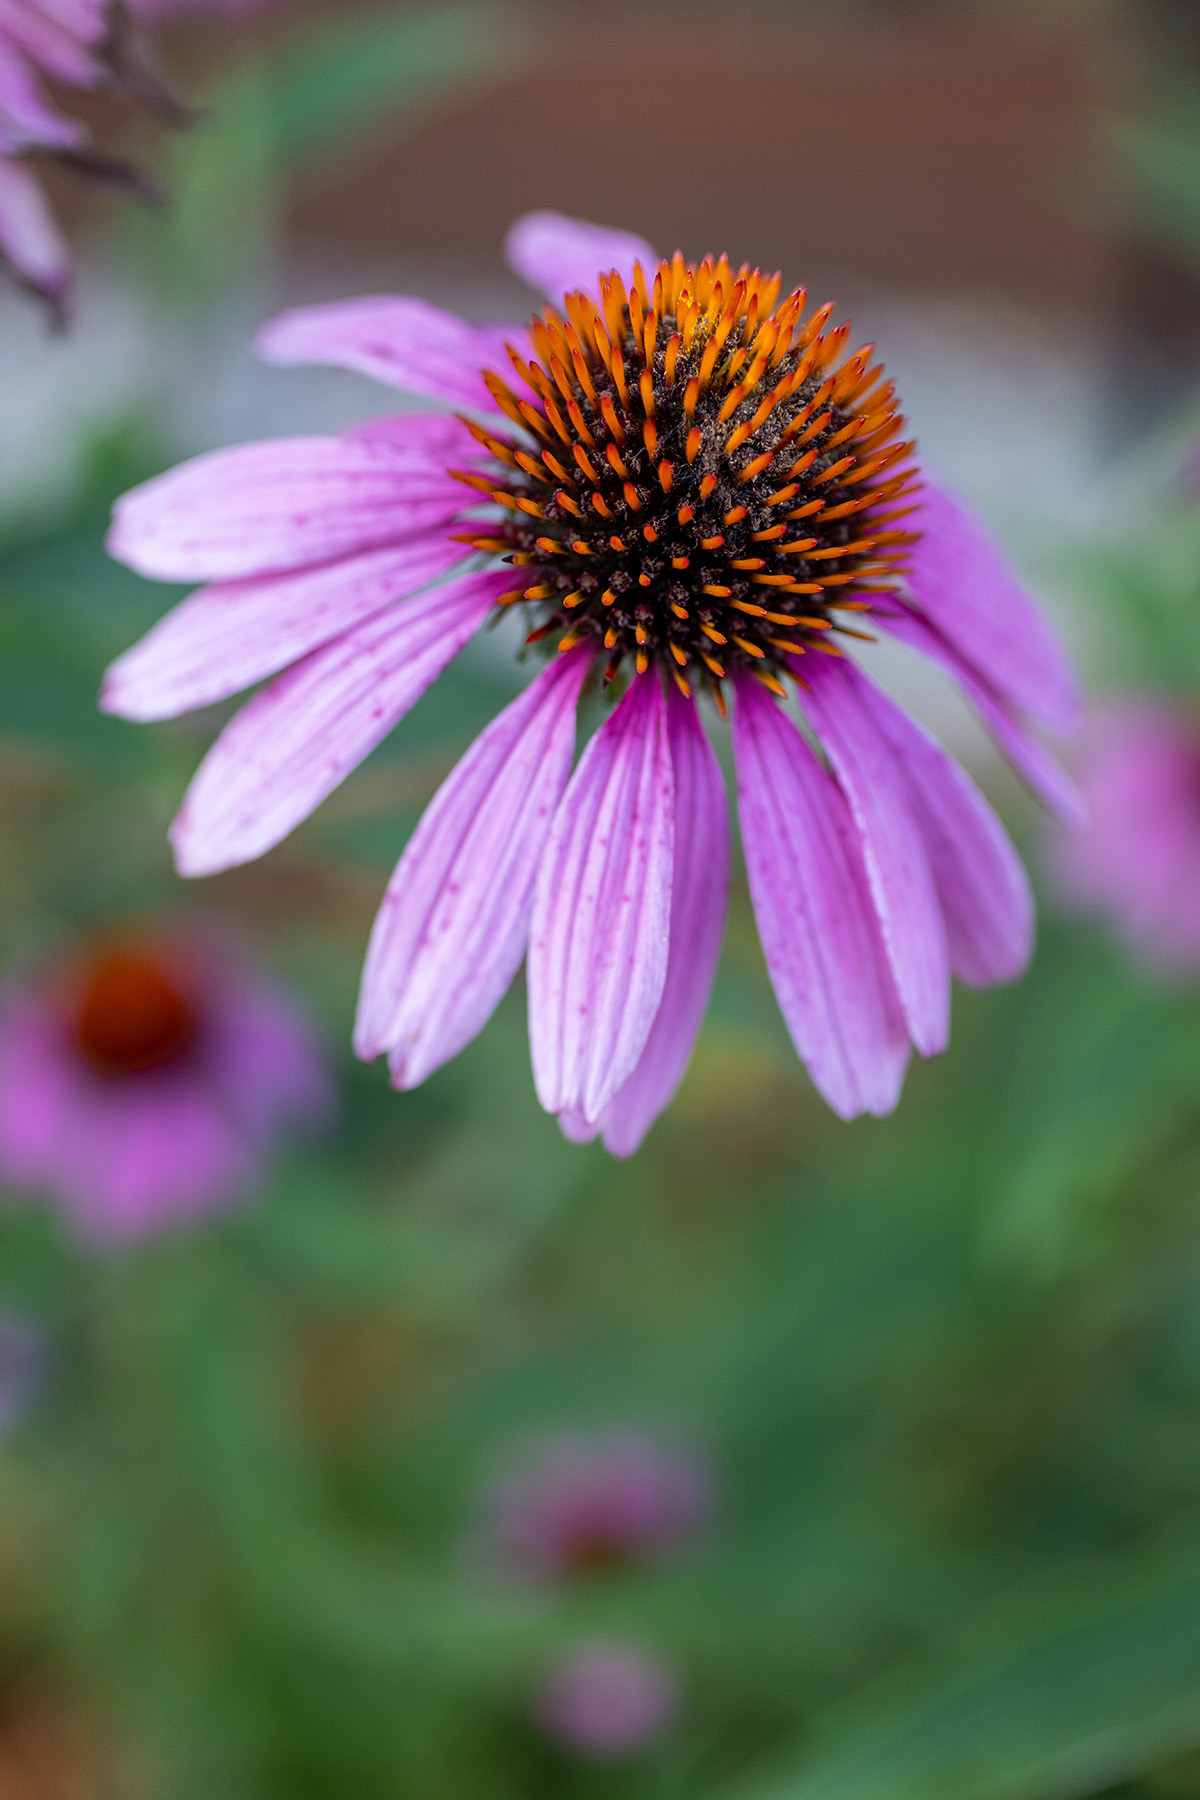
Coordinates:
column 72, row 44
column 1137, row 857
column 337, row 574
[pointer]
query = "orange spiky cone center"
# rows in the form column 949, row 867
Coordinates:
column 704, row 480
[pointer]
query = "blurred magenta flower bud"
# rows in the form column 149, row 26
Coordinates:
column 608, row 1700
column 70, row 45
column 1137, row 859
column 147, row 1082
column 579, row 1505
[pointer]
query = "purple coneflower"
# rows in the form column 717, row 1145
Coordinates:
column 1137, row 859
column 607, row 1700
column 73, row 44
column 699, row 493
column 583, row 1504
column 145, row 1085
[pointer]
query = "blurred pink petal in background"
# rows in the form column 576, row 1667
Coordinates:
column 584, row 1504
column 1137, row 859
column 608, row 1700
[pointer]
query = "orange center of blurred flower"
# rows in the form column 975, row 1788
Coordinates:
column 596, row 1555
column 132, row 1016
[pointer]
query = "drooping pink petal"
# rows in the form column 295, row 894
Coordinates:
column 454, row 922
column 298, row 738
column 965, row 586
column 1028, row 756
column 29, row 238
column 261, row 509
column 58, row 36
column 26, row 120
column 558, row 254
column 600, row 929
column 981, row 884
column 699, row 898
column 818, row 927
column 840, row 706
column 225, row 638
column 394, row 338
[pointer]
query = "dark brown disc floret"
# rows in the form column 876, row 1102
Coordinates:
column 702, row 481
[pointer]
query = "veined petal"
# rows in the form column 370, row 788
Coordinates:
column 394, row 338
column 261, row 509
column 454, row 922
column 297, row 739
column 700, row 895
column 1029, row 757
column 29, row 238
column 840, row 705
column 602, row 909
column 558, row 254
column 818, row 927
column 966, row 586
column 226, row 638
column 984, row 891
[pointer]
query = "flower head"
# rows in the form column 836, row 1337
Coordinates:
column 1137, row 857
column 608, row 1700
column 580, row 1505
column 146, row 1084
column 73, row 44
column 699, row 492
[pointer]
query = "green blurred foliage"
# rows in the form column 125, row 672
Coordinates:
column 305, row 109
column 947, row 1365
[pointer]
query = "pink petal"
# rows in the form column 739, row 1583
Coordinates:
column 841, row 706
column 150, row 1154
column 558, row 254
column 1032, row 761
column 29, row 238
column 298, row 738
column 699, row 898
column 981, row 884
column 25, row 118
column 966, row 587
column 261, row 509
column 226, row 638
column 602, row 910
column 818, row 927
column 406, row 342
column 58, row 37
column 453, row 926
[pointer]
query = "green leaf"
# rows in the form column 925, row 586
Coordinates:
column 1057, row 1695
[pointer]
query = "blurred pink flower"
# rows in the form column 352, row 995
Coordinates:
column 73, row 44
column 1138, row 857
column 698, row 494
column 608, row 1700
column 582, row 1504
column 148, row 1084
